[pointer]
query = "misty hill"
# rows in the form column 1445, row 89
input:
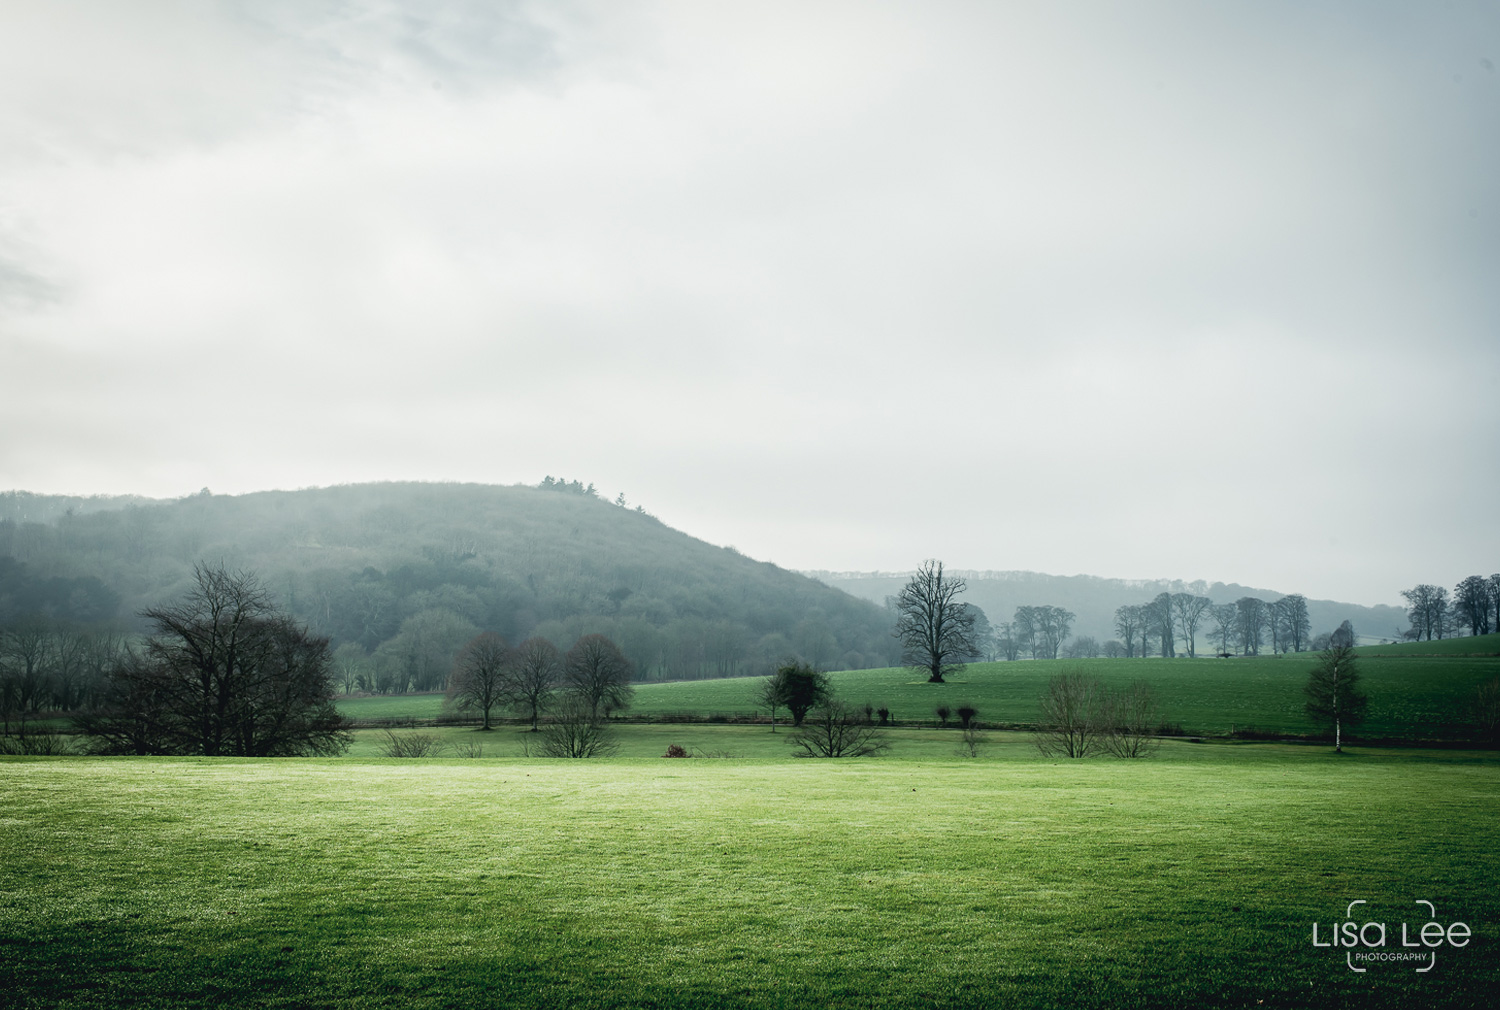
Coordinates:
column 1094, row 599
column 408, row 572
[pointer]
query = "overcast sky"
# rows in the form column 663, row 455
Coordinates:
column 1177, row 290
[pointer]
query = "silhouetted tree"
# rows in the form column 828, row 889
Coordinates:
column 1187, row 614
column 1251, row 614
column 224, row 672
column 1332, row 699
column 1071, row 722
column 1226, row 622
column 597, row 671
column 936, row 631
column 833, row 730
column 532, row 677
column 575, row 730
column 799, row 688
column 1159, row 617
column 1471, row 603
column 1292, row 620
column 479, row 678
column 1128, row 622
column 1428, row 610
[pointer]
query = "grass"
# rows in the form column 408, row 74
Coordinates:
column 1417, row 690
column 920, row 879
column 1413, row 696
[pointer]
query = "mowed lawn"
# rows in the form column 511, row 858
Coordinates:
column 1191, row 878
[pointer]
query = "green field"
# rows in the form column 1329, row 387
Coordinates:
column 1420, row 690
column 918, row 879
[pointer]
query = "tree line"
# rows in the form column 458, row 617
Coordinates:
column 1473, row 609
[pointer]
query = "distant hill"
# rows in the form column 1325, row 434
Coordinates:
column 407, row 572
column 1095, row 599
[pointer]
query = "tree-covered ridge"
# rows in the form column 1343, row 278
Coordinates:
column 407, row 573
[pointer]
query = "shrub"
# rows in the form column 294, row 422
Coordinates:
column 675, row 751
column 885, row 715
column 966, row 714
column 832, row 730
column 972, row 741
column 40, row 742
column 410, row 745
column 576, row 731
column 943, row 713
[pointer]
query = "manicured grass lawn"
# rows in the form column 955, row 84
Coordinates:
column 918, row 879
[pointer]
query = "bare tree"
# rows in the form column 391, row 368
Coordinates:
column 1043, row 628
column 480, row 676
column 576, row 731
column 1159, row 616
column 1007, row 642
column 1130, row 719
column 768, row 694
column 1187, row 614
column 1226, row 619
column 532, row 678
column 1292, row 619
column 1071, row 718
column 1471, row 604
column 1128, row 623
column 1251, row 625
column 936, row 631
column 1082, row 647
column 598, row 671
column 223, row 673
column 833, row 730
column 1427, row 607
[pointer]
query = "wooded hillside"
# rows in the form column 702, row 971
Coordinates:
column 408, row 572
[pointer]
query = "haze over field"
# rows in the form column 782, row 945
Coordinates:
column 1165, row 291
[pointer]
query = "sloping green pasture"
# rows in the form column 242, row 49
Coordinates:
column 1190, row 879
column 1417, row 690
column 1412, row 696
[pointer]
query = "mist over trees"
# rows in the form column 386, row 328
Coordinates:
column 409, row 573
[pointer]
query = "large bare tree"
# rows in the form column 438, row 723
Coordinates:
column 224, row 672
column 1187, row 612
column 598, row 672
column 479, row 675
column 1295, row 626
column 1427, row 607
column 935, row 629
column 532, row 677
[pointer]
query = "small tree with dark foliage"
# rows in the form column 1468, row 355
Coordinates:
column 799, row 688
column 1332, row 699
